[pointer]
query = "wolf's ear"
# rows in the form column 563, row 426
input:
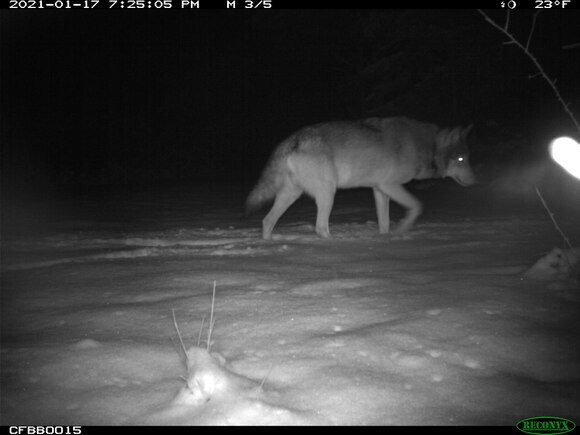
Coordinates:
column 466, row 130
column 454, row 136
column 446, row 137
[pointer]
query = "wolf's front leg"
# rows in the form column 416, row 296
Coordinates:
column 414, row 207
column 382, row 204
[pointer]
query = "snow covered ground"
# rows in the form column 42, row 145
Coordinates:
column 439, row 327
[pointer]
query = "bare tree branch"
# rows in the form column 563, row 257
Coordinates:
column 554, row 220
column 570, row 46
column 532, row 29
column 552, row 83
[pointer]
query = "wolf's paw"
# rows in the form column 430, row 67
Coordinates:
column 399, row 231
column 402, row 232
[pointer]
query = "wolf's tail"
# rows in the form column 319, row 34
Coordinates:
column 272, row 178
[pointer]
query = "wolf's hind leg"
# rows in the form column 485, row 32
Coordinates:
column 284, row 199
column 414, row 207
column 315, row 174
column 324, row 201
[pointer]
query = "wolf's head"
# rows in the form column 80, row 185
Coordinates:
column 452, row 155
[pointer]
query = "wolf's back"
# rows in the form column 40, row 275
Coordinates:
column 272, row 178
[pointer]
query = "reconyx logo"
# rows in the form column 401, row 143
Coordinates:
column 545, row 425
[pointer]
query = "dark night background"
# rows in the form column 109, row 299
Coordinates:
column 120, row 98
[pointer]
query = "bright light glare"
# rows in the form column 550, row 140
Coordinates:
column 566, row 152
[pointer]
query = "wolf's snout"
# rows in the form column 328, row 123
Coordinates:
column 465, row 181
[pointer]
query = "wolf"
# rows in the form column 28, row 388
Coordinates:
column 380, row 153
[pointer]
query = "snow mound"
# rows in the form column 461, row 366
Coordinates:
column 215, row 395
column 558, row 264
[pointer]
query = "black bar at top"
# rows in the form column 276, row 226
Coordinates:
column 248, row 5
